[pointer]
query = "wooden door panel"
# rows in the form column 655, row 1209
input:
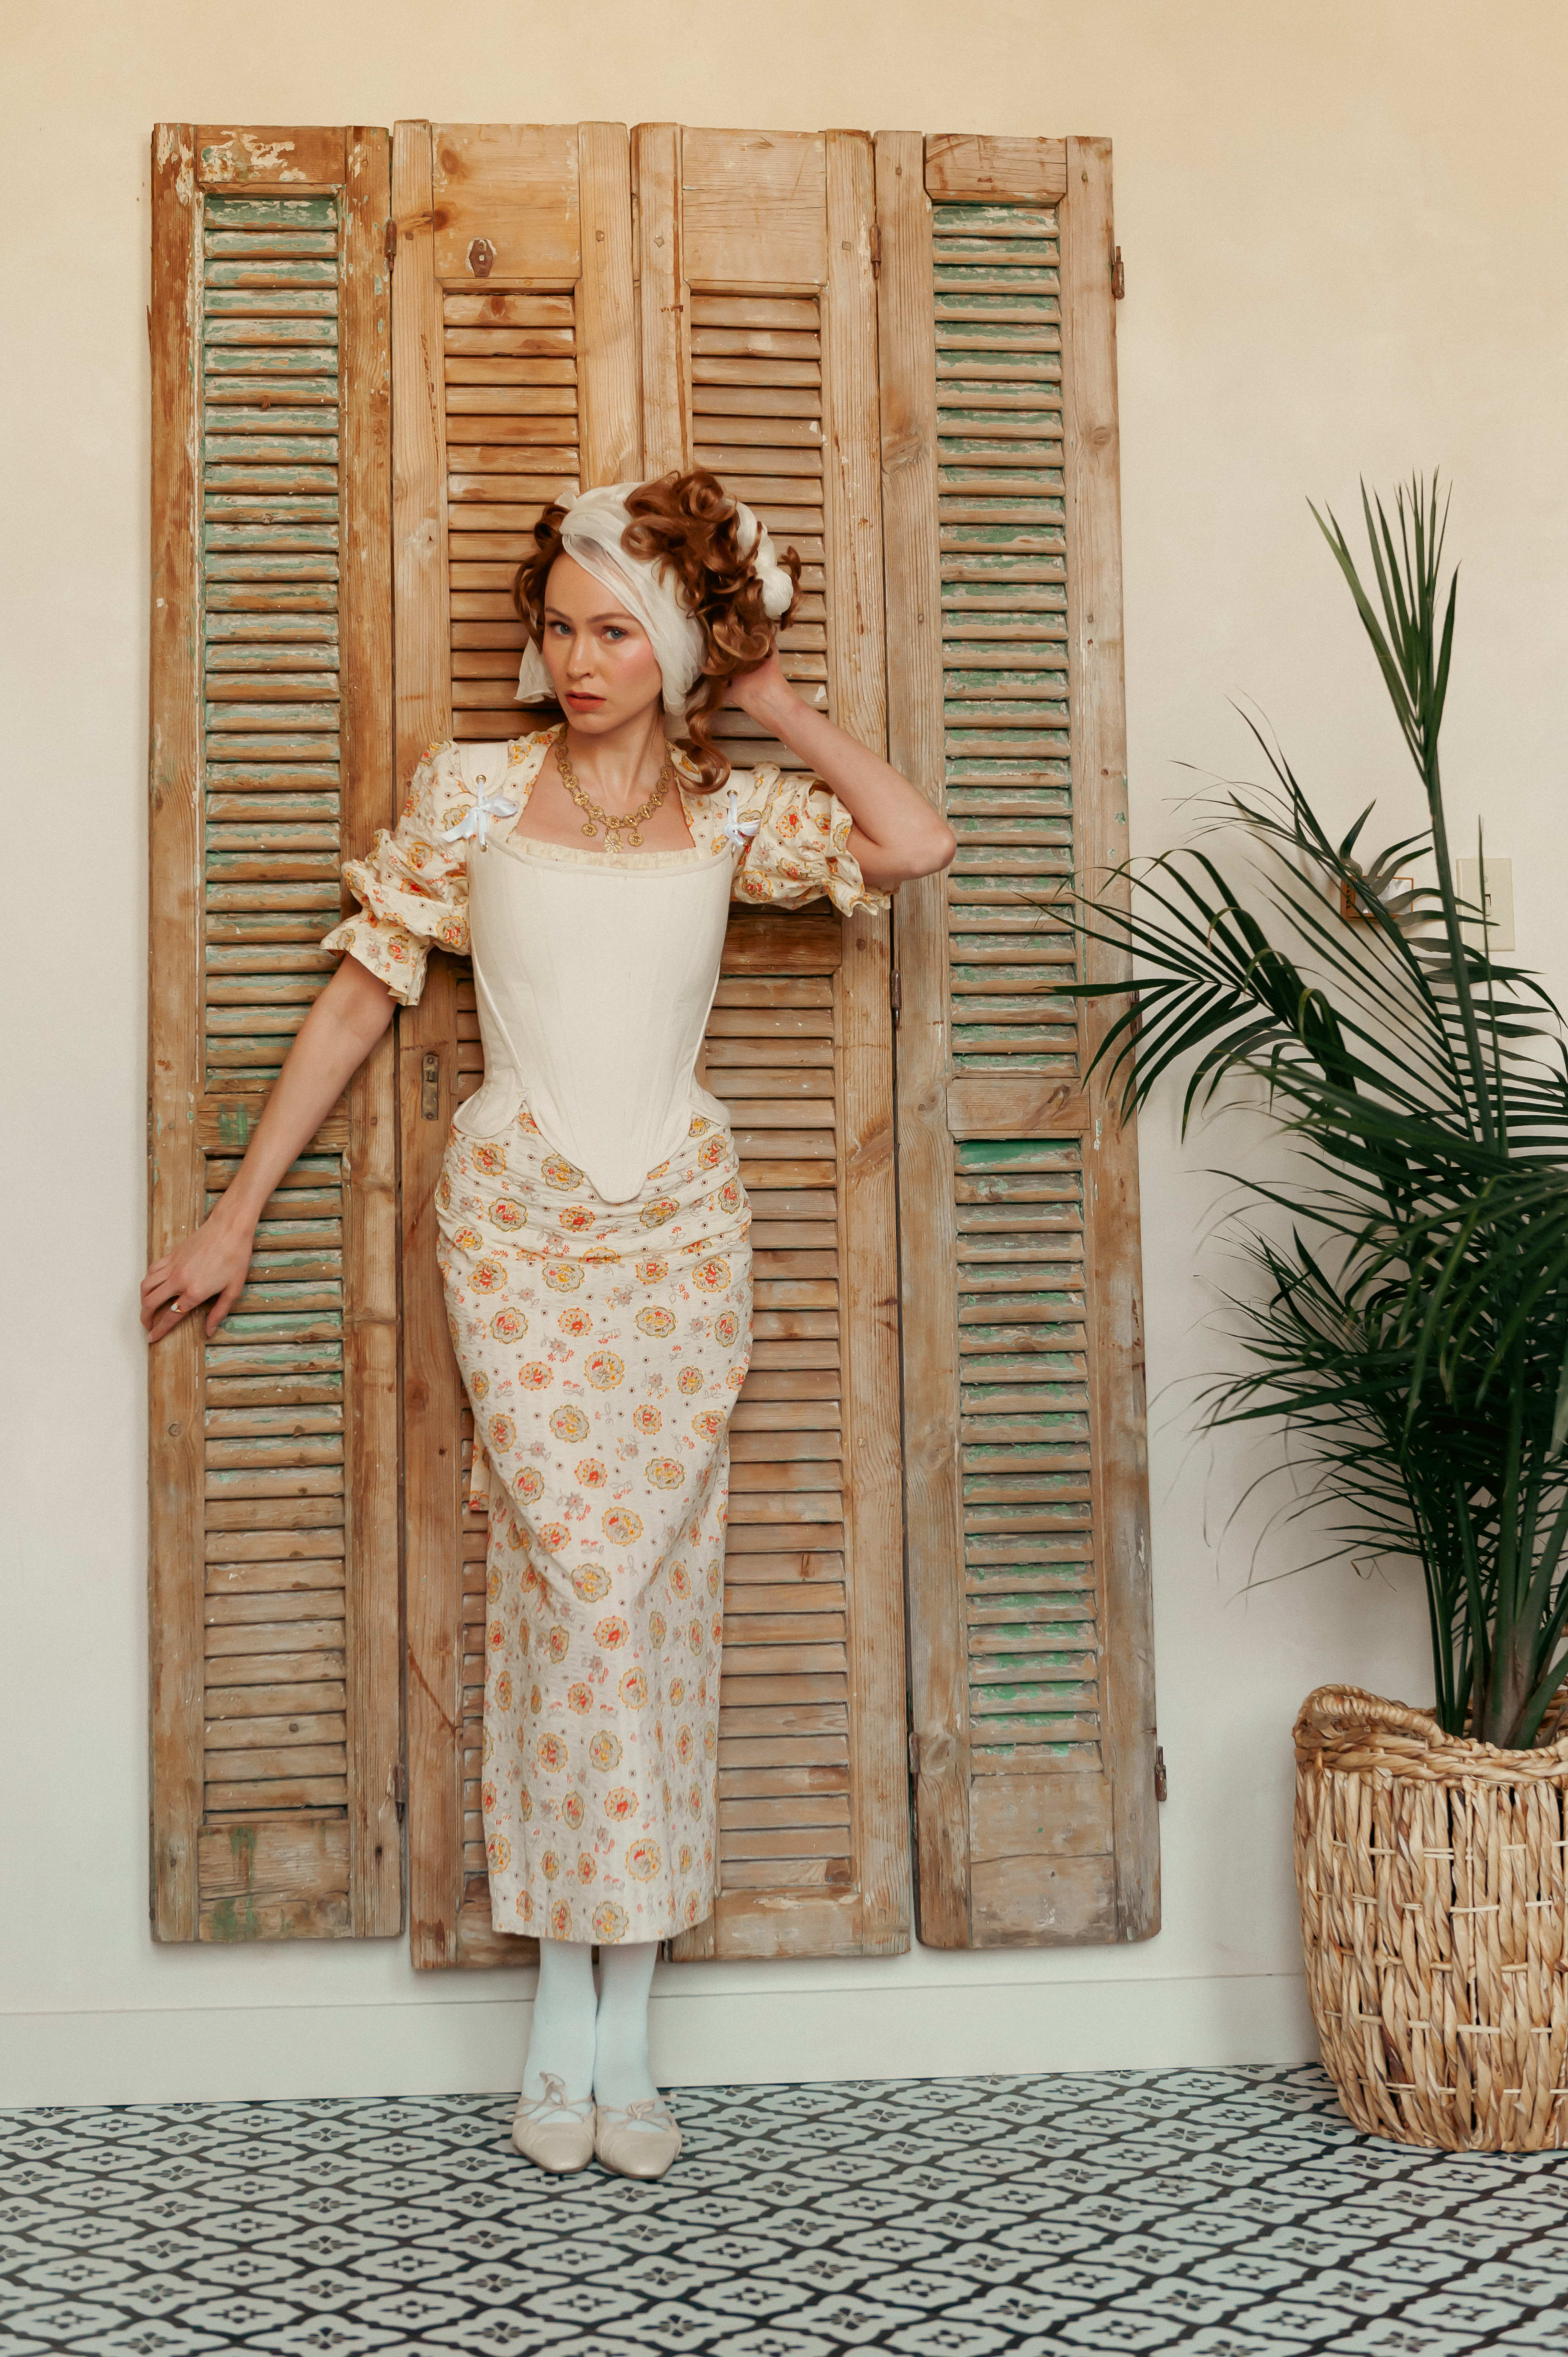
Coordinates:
column 758, row 246
column 274, row 1569
column 516, row 363
column 535, row 390
column 1024, row 1447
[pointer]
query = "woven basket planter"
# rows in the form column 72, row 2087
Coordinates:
column 1434, row 1921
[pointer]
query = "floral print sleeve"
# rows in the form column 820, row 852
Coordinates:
column 801, row 848
column 413, row 884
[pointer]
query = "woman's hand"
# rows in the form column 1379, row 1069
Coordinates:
column 758, row 692
column 895, row 833
column 211, row 1265
column 333, row 1042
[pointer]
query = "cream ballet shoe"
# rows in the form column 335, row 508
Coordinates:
column 637, row 2140
column 553, row 2133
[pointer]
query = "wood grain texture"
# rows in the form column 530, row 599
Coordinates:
column 987, row 1104
column 1113, row 1272
column 937, row 1667
column 509, row 190
column 432, row 1486
column 421, row 593
column 292, row 159
column 284, row 1582
column 608, row 354
column 1041, row 1816
column 1043, row 1902
column 276, row 1880
column 663, row 298
column 173, row 1040
column 856, row 666
column 753, row 209
column 369, row 1198
column 972, row 168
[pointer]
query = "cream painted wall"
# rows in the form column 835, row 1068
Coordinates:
column 1346, row 231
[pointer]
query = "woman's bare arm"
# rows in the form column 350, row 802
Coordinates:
column 897, row 834
column 333, row 1042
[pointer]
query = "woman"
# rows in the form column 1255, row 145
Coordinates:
column 594, row 1230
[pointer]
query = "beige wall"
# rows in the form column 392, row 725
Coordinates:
column 1346, row 231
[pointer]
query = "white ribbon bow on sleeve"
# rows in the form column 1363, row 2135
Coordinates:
column 738, row 831
column 487, row 806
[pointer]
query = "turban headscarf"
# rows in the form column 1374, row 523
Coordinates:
column 591, row 533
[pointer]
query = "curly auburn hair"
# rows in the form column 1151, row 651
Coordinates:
column 687, row 523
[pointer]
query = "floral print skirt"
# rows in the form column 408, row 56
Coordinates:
column 602, row 1346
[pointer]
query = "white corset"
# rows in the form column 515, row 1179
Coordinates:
column 594, row 974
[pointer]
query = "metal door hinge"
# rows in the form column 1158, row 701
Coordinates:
column 896, row 995
column 390, row 243
column 1118, row 275
column 397, row 1785
column 914, row 1753
column 430, row 1087
column 1162, row 1790
column 876, row 248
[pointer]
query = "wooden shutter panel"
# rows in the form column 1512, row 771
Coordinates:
column 274, row 1544
column 515, row 360
column 759, row 360
column 1030, row 1641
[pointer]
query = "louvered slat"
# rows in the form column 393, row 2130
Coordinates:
column 511, row 377
column 1024, row 1484
column 1033, row 1635
column 276, row 1726
column 784, row 1776
column 273, row 1552
column 1029, row 1564
column 757, row 420
column 997, row 331
column 275, row 1662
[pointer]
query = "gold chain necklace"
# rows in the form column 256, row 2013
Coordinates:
column 630, row 825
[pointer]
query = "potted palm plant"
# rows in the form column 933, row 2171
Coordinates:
column 1404, row 1327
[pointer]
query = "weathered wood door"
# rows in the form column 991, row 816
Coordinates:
column 903, row 358
column 1032, row 1678
column 515, row 376
column 759, row 360
column 530, row 356
column 273, row 1553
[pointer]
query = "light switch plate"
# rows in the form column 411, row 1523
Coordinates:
column 1497, row 934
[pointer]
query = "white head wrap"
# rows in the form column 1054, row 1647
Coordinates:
column 591, row 534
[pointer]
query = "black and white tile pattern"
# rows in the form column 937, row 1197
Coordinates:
column 1225, row 2214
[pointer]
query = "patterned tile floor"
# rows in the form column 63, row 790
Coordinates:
column 1226, row 2214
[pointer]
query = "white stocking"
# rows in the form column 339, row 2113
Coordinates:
column 621, row 2072
column 561, row 2040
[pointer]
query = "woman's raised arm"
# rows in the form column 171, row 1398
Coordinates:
column 333, row 1042
column 896, row 834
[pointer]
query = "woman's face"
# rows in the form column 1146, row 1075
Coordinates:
column 600, row 658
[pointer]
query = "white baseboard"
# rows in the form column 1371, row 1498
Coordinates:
column 722, row 2035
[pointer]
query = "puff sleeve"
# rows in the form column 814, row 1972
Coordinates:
column 412, row 885
column 800, row 849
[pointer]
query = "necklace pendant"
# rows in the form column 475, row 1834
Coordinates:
column 635, row 839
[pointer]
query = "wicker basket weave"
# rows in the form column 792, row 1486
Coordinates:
column 1434, row 1921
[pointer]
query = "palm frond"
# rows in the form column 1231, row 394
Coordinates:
column 1410, row 1340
